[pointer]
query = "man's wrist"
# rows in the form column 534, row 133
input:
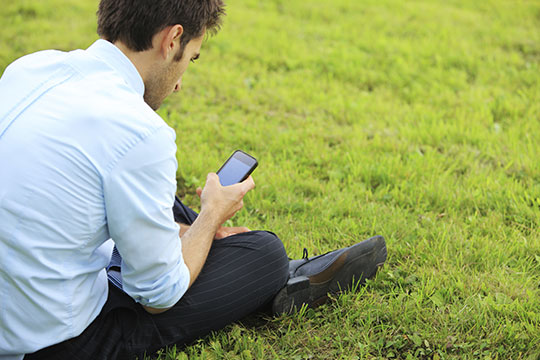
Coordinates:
column 183, row 229
column 210, row 220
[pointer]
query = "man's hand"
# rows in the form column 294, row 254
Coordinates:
column 223, row 201
column 183, row 229
column 222, row 232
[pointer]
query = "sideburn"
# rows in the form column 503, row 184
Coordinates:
column 183, row 41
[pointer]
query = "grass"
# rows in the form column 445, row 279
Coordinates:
column 417, row 120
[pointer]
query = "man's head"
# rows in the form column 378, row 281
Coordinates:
column 161, row 26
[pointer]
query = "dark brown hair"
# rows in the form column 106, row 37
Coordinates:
column 135, row 22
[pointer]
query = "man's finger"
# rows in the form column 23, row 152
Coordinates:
column 248, row 184
column 212, row 177
column 229, row 231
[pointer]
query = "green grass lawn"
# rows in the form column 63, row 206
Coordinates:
column 416, row 120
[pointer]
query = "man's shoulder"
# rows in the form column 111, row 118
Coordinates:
column 106, row 95
column 87, row 103
column 27, row 75
column 112, row 106
column 37, row 61
column 100, row 95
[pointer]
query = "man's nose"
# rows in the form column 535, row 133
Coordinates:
column 178, row 86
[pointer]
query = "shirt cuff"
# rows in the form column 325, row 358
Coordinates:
column 167, row 290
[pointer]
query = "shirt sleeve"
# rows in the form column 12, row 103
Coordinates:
column 139, row 196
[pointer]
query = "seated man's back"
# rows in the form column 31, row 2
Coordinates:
column 65, row 148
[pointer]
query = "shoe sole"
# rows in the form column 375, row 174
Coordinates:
column 352, row 267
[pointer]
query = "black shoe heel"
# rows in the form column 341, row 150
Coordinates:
column 289, row 299
column 296, row 284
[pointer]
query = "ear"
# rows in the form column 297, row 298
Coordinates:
column 170, row 40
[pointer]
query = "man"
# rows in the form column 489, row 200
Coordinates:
column 85, row 159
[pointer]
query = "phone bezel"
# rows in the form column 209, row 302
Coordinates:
column 244, row 158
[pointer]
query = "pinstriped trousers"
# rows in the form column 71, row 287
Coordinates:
column 242, row 274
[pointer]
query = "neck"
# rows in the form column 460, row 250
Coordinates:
column 142, row 60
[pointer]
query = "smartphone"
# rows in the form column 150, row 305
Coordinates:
column 237, row 168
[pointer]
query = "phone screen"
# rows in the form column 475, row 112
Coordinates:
column 233, row 172
column 236, row 168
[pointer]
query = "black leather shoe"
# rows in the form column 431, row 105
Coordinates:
column 312, row 279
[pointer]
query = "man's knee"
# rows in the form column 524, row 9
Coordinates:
column 266, row 250
column 273, row 253
column 271, row 242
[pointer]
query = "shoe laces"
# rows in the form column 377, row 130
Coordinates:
column 305, row 255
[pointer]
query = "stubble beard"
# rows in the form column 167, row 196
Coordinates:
column 158, row 87
column 153, row 95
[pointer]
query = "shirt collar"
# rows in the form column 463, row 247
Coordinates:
column 115, row 58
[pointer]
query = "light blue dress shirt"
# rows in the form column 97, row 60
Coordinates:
column 83, row 159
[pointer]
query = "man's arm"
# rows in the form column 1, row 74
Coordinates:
column 218, row 204
column 222, row 232
column 183, row 229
